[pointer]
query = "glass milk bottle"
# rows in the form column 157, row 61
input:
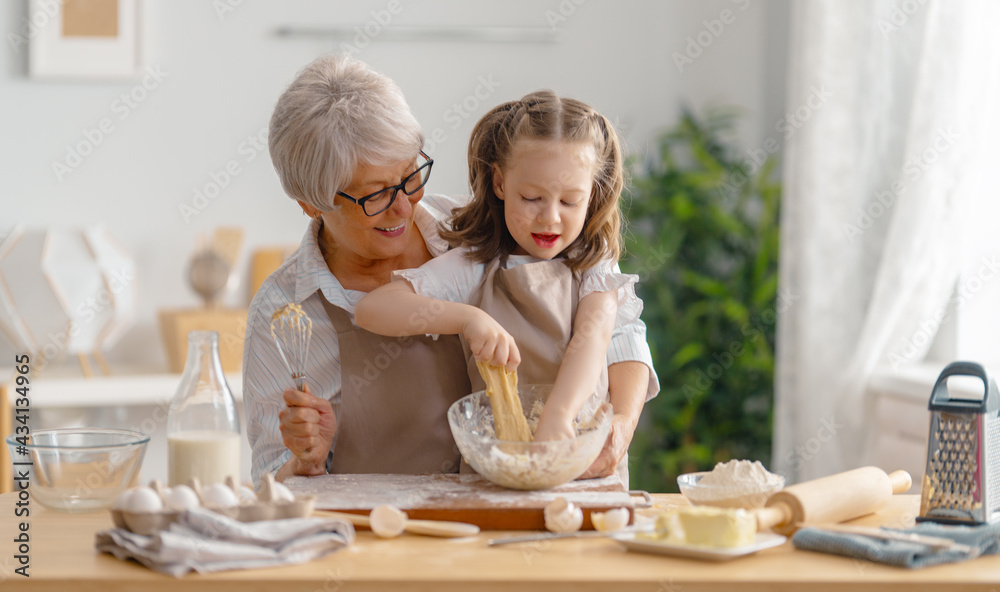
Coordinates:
column 203, row 430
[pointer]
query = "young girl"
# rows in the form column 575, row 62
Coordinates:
column 534, row 257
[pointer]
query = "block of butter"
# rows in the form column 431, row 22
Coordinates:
column 717, row 527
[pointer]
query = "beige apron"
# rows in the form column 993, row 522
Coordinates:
column 395, row 394
column 537, row 303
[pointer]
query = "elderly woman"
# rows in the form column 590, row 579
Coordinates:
column 348, row 149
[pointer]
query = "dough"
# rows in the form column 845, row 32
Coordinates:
column 508, row 417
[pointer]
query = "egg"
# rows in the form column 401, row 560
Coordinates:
column 217, row 495
column 246, row 495
column 121, row 502
column 281, row 493
column 615, row 519
column 563, row 516
column 180, row 498
column 144, row 500
column 387, row 521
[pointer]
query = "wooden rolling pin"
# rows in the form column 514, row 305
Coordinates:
column 837, row 498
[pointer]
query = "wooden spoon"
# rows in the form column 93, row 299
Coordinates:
column 438, row 528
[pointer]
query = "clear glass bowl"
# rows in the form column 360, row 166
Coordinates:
column 527, row 465
column 79, row 469
column 735, row 496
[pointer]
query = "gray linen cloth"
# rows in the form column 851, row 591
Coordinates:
column 205, row 541
column 984, row 540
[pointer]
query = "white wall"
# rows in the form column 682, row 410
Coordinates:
column 222, row 76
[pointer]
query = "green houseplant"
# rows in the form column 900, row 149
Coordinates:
column 703, row 237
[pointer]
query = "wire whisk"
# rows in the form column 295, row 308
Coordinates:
column 291, row 328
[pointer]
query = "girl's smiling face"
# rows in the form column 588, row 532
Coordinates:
column 546, row 187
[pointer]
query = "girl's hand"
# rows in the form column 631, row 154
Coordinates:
column 489, row 341
column 307, row 426
column 554, row 425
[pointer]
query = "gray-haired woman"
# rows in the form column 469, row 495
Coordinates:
column 347, row 148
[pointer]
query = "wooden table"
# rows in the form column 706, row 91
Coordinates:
column 62, row 558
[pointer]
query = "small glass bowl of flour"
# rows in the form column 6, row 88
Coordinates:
column 734, row 484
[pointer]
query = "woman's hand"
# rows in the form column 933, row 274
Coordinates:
column 627, row 383
column 489, row 341
column 614, row 449
column 307, row 426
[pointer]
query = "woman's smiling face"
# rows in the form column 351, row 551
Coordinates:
column 383, row 235
column 546, row 187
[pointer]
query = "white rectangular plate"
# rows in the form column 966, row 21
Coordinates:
column 762, row 540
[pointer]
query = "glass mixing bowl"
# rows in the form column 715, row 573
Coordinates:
column 740, row 495
column 78, row 469
column 527, row 465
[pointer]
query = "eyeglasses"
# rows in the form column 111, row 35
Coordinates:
column 380, row 201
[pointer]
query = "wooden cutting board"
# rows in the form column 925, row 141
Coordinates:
column 460, row 497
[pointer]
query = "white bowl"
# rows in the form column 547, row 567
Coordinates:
column 737, row 496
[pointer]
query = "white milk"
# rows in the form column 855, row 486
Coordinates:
column 209, row 456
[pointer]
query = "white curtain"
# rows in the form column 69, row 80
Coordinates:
column 892, row 158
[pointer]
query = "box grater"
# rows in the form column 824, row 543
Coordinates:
column 962, row 477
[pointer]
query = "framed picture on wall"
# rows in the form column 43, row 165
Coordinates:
column 85, row 39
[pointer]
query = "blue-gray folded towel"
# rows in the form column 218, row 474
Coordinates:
column 204, row 541
column 983, row 539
